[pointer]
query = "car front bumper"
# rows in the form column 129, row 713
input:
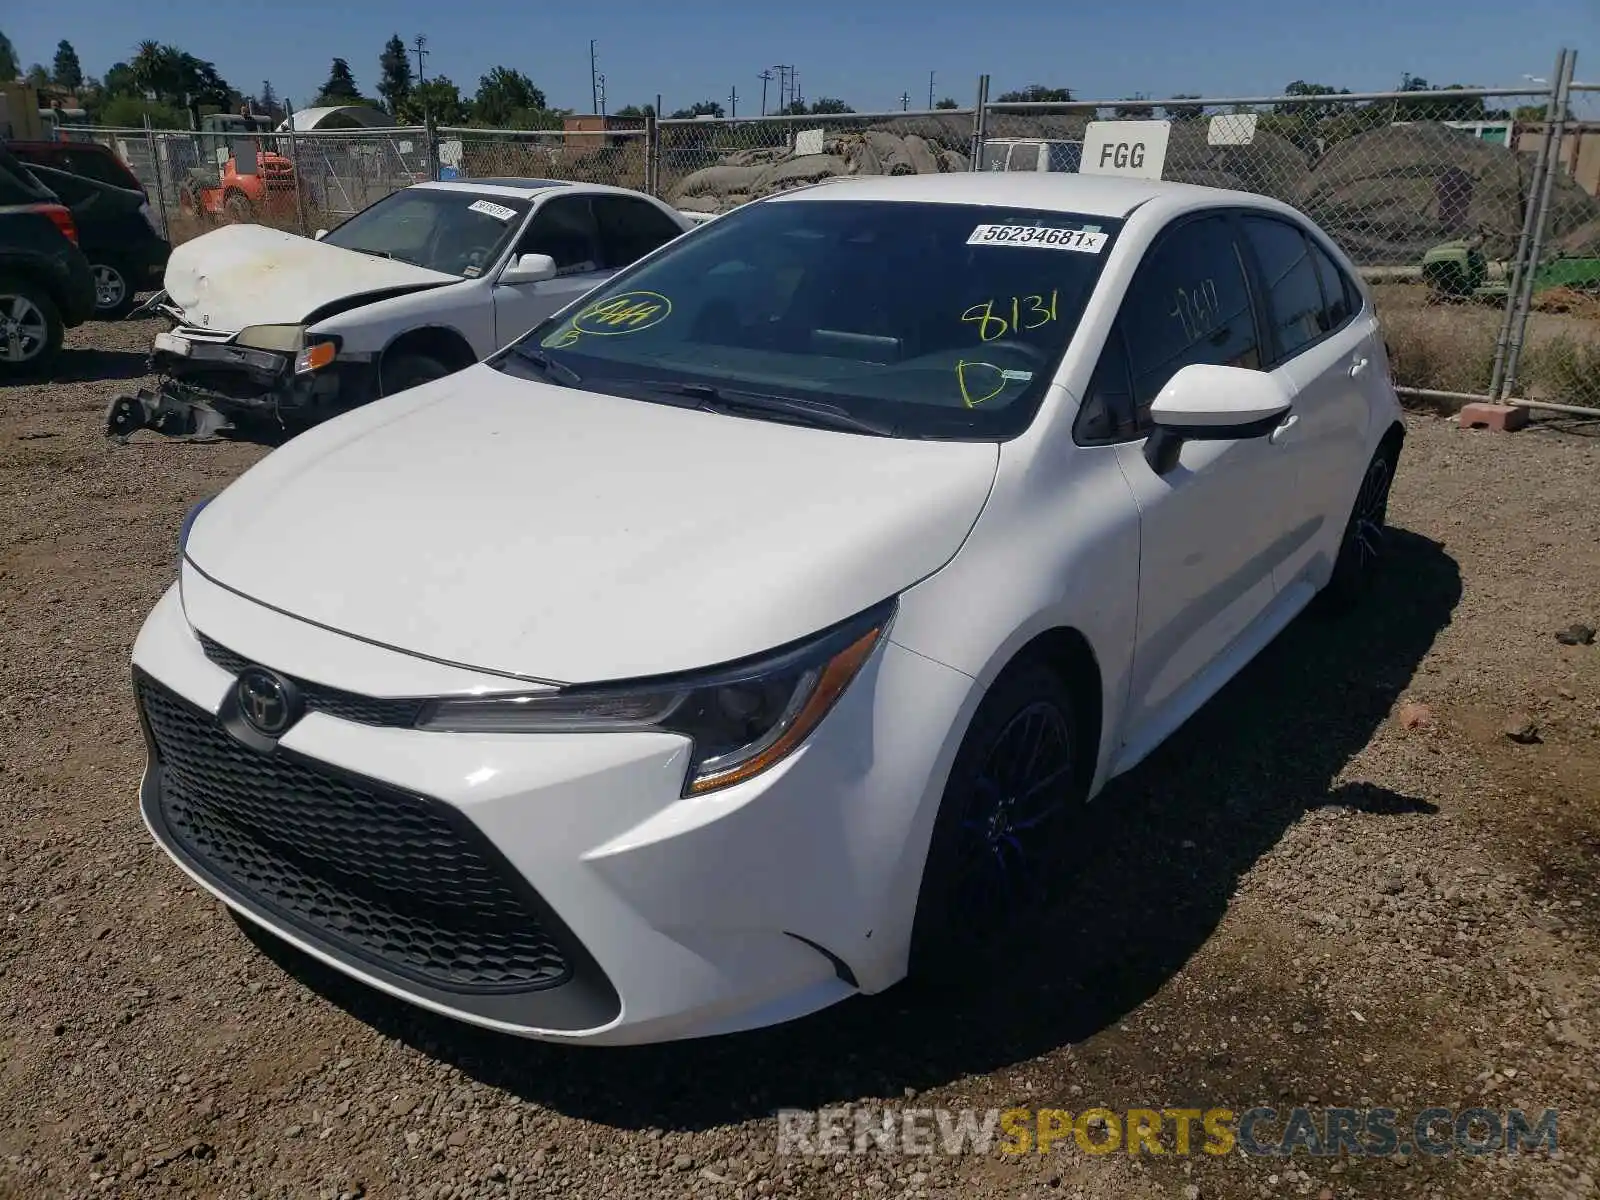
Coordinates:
column 551, row 886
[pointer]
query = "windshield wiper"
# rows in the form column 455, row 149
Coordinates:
column 550, row 367
column 734, row 402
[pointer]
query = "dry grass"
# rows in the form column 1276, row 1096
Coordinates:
column 1450, row 347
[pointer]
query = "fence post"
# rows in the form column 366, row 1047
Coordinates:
column 652, row 153
column 430, row 145
column 1520, row 264
column 980, row 124
column 1553, row 134
column 299, row 182
column 155, row 174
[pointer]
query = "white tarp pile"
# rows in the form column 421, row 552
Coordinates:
column 750, row 174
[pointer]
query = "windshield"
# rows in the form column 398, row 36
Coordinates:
column 926, row 320
column 456, row 232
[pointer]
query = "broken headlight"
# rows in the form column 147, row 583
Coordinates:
column 286, row 339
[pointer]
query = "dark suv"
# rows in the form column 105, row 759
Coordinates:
column 46, row 286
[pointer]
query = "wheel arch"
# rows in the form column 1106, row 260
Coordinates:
column 443, row 342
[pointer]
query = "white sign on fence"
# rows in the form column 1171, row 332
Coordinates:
column 1232, row 129
column 1137, row 149
column 808, row 141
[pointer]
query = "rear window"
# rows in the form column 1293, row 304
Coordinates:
column 939, row 320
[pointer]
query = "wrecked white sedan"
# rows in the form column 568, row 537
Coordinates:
column 269, row 327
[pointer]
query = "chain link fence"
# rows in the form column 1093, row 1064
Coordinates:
column 1473, row 213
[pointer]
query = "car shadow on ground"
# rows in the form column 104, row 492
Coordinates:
column 1164, row 849
column 88, row 365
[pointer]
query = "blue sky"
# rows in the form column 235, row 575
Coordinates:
column 865, row 52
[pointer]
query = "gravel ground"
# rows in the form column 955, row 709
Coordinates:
column 1341, row 883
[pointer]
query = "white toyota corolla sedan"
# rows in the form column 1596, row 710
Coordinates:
column 741, row 638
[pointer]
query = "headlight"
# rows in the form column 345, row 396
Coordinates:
column 284, row 338
column 742, row 718
column 315, row 357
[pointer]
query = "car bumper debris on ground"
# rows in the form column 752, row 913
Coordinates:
column 1343, row 883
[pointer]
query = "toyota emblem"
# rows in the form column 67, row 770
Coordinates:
column 266, row 701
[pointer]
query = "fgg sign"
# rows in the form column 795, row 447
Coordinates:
column 1137, row 149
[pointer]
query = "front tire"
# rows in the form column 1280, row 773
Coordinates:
column 406, row 371
column 1017, row 783
column 30, row 328
column 113, row 289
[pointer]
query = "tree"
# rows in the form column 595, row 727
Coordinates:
column 947, row 102
column 1438, row 105
column 1037, row 93
column 1316, row 110
column 437, row 98
column 37, row 76
column 119, row 81
column 1139, row 109
column 341, row 85
column 394, row 82
column 704, row 108
column 268, row 99
column 503, row 94
column 1183, row 112
column 67, row 70
column 10, row 68
column 827, row 105
column 635, row 112
column 129, row 112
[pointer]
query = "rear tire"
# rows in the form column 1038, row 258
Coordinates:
column 236, row 207
column 405, row 371
column 1362, row 545
column 1017, row 784
column 113, row 289
column 30, row 328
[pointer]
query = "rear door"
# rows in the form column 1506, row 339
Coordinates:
column 1316, row 350
column 630, row 227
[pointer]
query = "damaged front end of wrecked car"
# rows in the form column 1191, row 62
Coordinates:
column 262, row 376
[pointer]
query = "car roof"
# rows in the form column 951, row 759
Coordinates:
column 500, row 186
column 1060, row 191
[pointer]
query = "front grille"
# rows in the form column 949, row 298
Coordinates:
column 349, row 706
column 400, row 880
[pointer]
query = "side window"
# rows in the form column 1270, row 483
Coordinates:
column 1188, row 303
column 93, row 166
column 1340, row 297
column 1108, row 412
column 630, row 229
column 564, row 229
column 1294, row 295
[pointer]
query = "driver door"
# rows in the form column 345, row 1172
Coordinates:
column 564, row 228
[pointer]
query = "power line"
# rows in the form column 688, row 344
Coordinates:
column 766, row 78
column 417, row 45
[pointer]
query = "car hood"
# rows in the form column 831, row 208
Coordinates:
column 566, row 536
column 242, row 275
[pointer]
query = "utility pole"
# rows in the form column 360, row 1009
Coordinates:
column 930, row 89
column 905, row 101
column 600, row 92
column 594, row 81
column 788, row 85
column 418, row 45
column 733, row 101
column 766, row 78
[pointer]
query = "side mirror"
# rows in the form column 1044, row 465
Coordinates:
column 321, row 233
column 1208, row 403
column 530, row 268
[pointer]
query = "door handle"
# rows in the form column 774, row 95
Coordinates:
column 1357, row 367
column 1277, row 436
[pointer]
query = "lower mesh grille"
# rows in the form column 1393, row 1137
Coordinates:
column 400, row 880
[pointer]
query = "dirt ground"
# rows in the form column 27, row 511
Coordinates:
column 1342, row 883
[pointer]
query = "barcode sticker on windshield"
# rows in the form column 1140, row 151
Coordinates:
column 1039, row 237
column 498, row 211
